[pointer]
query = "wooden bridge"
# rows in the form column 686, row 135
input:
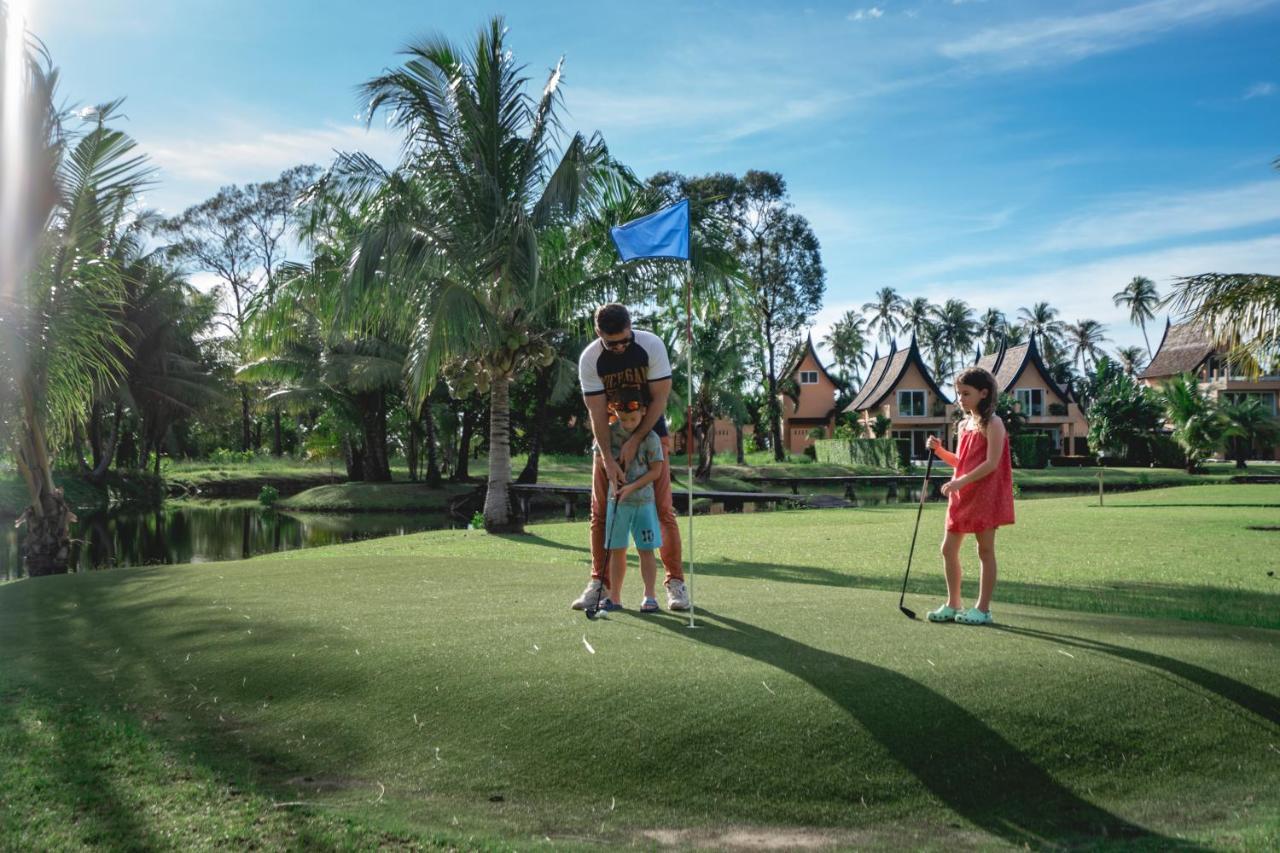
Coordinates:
column 852, row 481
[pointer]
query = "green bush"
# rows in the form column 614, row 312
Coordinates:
column 873, row 452
column 268, row 496
column 1030, row 450
column 222, row 456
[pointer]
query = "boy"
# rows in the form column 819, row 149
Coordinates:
column 632, row 511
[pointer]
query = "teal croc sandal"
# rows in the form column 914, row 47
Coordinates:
column 944, row 613
column 974, row 616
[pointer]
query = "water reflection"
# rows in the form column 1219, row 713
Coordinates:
column 193, row 533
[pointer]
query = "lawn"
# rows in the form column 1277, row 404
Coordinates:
column 434, row 689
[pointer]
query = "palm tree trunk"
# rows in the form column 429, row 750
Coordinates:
column 1143, row 326
column 47, row 547
column 739, row 444
column 373, row 420
column 245, row 436
column 433, row 457
column 541, row 389
column 498, row 517
column 462, row 458
column 277, row 445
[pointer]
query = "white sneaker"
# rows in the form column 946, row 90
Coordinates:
column 590, row 598
column 677, row 595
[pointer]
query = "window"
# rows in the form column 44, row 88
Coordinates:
column 1031, row 400
column 808, row 377
column 1268, row 399
column 911, row 404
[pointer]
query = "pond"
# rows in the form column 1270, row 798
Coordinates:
column 200, row 532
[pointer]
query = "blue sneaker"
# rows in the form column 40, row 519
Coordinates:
column 609, row 606
column 649, row 605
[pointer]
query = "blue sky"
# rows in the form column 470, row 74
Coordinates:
column 998, row 151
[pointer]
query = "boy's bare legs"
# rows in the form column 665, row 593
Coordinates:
column 617, row 571
column 951, row 566
column 987, row 556
column 649, row 573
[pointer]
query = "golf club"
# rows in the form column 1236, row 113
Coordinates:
column 608, row 553
column 924, row 493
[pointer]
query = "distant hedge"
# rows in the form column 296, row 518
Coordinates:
column 875, row 452
column 1030, row 450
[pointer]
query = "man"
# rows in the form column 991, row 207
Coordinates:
column 623, row 361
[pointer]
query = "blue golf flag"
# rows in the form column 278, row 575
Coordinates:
column 664, row 234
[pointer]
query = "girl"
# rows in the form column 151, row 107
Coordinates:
column 979, row 495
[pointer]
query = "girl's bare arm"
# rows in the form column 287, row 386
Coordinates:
column 945, row 455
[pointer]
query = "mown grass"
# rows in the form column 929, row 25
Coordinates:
column 436, row 689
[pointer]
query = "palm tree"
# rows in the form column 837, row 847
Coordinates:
column 486, row 186
column 1240, row 311
column 886, row 312
column 847, row 343
column 957, row 329
column 1131, row 359
column 1197, row 426
column 1141, row 298
column 916, row 314
column 1085, row 337
column 1041, row 320
column 992, row 326
column 69, row 193
column 1248, row 423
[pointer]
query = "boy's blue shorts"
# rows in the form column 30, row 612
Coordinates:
column 638, row 520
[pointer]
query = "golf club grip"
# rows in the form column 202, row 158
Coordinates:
column 924, row 492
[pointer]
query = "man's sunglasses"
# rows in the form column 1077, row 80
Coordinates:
column 618, row 345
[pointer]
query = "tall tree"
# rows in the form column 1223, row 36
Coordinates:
column 1248, row 423
column 847, row 342
column 62, row 195
column 916, row 314
column 1085, row 338
column 958, row 330
column 992, row 327
column 1041, row 319
column 1131, row 359
column 1141, row 298
column 886, row 313
column 477, row 185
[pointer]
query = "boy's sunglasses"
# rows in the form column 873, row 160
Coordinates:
column 618, row 345
column 628, row 406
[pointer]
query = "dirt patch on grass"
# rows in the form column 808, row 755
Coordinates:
column 750, row 838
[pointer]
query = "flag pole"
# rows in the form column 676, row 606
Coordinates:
column 688, row 420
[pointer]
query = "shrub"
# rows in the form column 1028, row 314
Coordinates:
column 268, row 496
column 222, row 456
column 477, row 521
column 873, row 452
column 1030, row 450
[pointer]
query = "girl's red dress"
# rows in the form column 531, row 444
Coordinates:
column 988, row 502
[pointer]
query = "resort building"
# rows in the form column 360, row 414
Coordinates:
column 1187, row 348
column 1048, row 408
column 814, row 405
column 901, row 387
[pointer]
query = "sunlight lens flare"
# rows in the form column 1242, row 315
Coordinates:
column 13, row 177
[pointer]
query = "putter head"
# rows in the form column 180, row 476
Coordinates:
column 591, row 613
column 910, row 614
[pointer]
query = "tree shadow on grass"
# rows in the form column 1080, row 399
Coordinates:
column 1245, row 696
column 995, row 787
column 123, row 654
column 1199, row 602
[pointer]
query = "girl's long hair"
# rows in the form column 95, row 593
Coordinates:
column 980, row 378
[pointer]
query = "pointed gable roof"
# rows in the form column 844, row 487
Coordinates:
column 1183, row 347
column 874, row 375
column 797, row 358
column 891, row 369
column 1009, row 362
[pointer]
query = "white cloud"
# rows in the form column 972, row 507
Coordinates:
column 1145, row 218
column 1068, row 38
column 238, row 151
column 1085, row 290
column 867, row 14
column 1259, row 90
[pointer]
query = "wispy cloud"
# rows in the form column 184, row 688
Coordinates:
column 869, row 14
column 1259, row 90
column 239, row 151
column 1136, row 219
column 1069, row 38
